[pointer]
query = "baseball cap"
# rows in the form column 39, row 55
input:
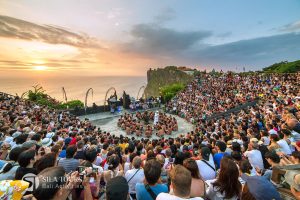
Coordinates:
column 205, row 152
column 117, row 188
column 260, row 188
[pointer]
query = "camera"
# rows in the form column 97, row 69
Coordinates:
column 89, row 173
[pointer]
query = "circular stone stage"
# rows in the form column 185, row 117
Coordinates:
column 108, row 122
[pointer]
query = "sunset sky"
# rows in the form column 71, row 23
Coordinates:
column 125, row 38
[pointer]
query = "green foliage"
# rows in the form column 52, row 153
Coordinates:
column 73, row 104
column 38, row 95
column 46, row 102
column 284, row 67
column 170, row 91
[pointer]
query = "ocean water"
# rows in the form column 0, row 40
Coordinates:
column 76, row 87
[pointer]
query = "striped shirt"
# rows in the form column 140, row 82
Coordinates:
column 69, row 164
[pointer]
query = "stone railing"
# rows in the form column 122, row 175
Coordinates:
column 235, row 110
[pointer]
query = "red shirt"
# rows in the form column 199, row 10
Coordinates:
column 73, row 141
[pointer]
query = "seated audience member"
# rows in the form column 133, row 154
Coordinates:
column 64, row 149
column 259, row 188
column 206, row 167
column 294, row 159
column 26, row 160
column 8, row 171
column 164, row 174
column 181, row 181
column 274, row 146
column 80, row 153
column 254, row 155
column 295, row 188
column 90, row 155
column 128, row 163
column 220, row 148
column 117, row 189
column 48, row 160
column 69, row 163
column 55, row 186
column 198, row 185
column 245, row 167
column 114, row 168
column 283, row 144
column 227, row 184
column 56, row 149
column 134, row 176
column 91, row 180
column 274, row 160
column 151, row 186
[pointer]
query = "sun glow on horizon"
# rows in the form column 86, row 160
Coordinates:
column 40, row 68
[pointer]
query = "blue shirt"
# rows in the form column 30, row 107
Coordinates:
column 268, row 174
column 217, row 158
column 143, row 194
column 62, row 154
column 2, row 163
column 260, row 125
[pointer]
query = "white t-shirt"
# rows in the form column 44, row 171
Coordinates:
column 255, row 158
column 213, row 194
column 266, row 140
column 284, row 147
column 126, row 167
column 166, row 196
column 272, row 131
column 206, row 172
column 296, row 135
column 98, row 161
column 138, row 178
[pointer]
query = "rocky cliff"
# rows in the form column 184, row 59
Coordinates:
column 161, row 77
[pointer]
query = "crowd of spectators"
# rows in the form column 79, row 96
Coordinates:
column 226, row 158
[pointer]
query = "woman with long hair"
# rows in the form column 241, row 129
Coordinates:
column 198, row 185
column 274, row 146
column 114, row 168
column 227, row 185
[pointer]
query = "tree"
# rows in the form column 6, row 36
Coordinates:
column 170, row 91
